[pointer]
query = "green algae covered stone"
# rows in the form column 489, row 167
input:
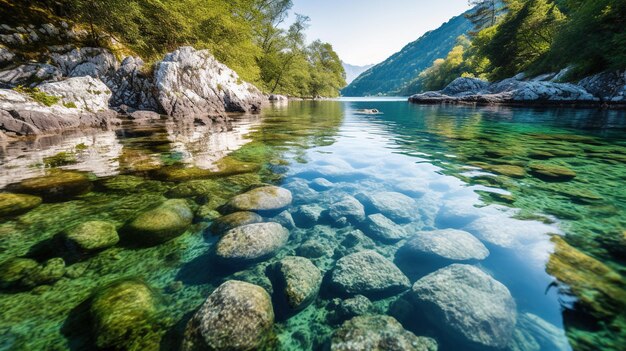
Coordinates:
column 15, row 204
column 13, row 271
column 378, row 333
column 267, row 198
column 169, row 220
column 550, row 172
column 251, row 242
column 92, row 236
column 57, row 185
column 236, row 316
column 124, row 315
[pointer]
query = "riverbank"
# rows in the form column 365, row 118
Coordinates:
column 606, row 90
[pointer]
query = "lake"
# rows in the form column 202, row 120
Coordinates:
column 486, row 227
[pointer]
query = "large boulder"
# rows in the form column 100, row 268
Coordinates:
column 28, row 74
column 167, row 221
column 445, row 245
column 395, row 206
column 378, row 333
column 264, row 199
column 298, row 281
column 85, row 93
column 123, row 315
column 56, row 185
column 608, row 86
column 252, row 242
column 368, row 273
column 192, row 83
column 465, row 85
column 234, row 220
column 236, row 316
column 348, row 208
column 468, row 305
column 382, row 228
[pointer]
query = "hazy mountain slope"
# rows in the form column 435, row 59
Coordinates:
column 352, row 72
column 390, row 76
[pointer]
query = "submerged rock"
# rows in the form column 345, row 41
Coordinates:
column 382, row 228
column 123, row 315
column 233, row 220
column 267, row 198
column 314, row 249
column 352, row 307
column 307, row 216
column 56, row 185
column 349, row 208
column 396, row 206
column 192, row 188
column 13, row 271
column 595, row 284
column 298, row 280
column 467, row 304
column 368, row 273
column 236, row 316
column 15, row 204
column 378, row 333
column 445, row 244
column 169, row 220
column 91, row 236
column 252, row 242
column 551, row 172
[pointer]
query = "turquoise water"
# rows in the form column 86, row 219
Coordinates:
column 542, row 189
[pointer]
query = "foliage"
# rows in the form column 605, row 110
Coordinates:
column 246, row 35
column 38, row 95
column 485, row 13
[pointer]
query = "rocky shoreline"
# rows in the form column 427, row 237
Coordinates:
column 603, row 90
column 89, row 88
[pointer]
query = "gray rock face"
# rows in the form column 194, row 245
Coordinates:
column 131, row 86
column 267, row 198
column 465, row 85
column 368, row 273
column 378, row 333
column 382, row 228
column 298, row 280
column 208, row 87
column 86, row 93
column 348, row 208
column 446, row 244
column 236, row 316
column 466, row 303
column 29, row 74
column 233, row 220
column 251, row 242
column 6, row 56
column 608, row 86
column 80, row 62
column 396, row 206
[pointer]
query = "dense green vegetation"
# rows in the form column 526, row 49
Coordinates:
column 535, row 36
column 250, row 36
column 395, row 75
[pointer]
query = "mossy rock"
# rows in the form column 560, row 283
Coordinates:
column 551, row 172
column 57, row 185
column 595, row 284
column 15, row 204
column 169, row 220
column 225, row 169
column 91, row 236
column 508, row 170
column 233, row 220
column 14, row 270
column 49, row 272
column 192, row 188
column 124, row 317
column 297, row 280
column 122, row 183
column 264, row 199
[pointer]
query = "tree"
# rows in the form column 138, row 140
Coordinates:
column 485, row 13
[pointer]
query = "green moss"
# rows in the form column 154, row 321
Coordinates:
column 37, row 95
column 61, row 159
column 70, row 104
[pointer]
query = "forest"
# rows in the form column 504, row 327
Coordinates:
column 256, row 38
column 535, row 37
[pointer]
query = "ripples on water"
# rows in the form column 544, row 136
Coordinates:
column 467, row 168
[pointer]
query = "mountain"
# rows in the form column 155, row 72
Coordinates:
column 393, row 74
column 352, row 72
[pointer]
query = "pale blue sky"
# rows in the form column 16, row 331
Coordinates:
column 369, row 31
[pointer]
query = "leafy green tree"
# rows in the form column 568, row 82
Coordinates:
column 485, row 13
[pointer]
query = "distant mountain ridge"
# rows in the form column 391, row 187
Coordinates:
column 396, row 72
column 352, row 71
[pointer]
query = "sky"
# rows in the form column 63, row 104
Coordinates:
column 368, row 31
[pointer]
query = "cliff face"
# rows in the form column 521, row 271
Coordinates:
column 68, row 87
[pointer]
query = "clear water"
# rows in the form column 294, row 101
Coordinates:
column 442, row 157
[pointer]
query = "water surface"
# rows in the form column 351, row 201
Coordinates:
column 464, row 167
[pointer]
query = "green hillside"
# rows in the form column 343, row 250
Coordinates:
column 393, row 74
